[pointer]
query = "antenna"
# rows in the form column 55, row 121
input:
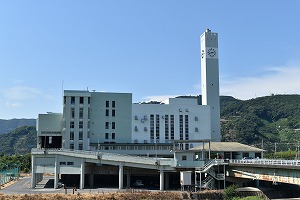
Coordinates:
column 62, row 88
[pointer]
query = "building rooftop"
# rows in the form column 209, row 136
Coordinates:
column 228, row 146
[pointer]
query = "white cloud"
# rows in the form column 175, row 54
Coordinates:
column 20, row 93
column 276, row 80
column 14, row 104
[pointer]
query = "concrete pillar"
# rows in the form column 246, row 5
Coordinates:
column 161, row 179
column 82, row 169
column 33, row 174
column 91, row 180
column 121, row 176
column 56, row 173
column 128, row 180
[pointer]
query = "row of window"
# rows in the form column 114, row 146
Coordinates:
column 66, row 163
column 113, row 125
column 81, row 100
column 113, row 136
column 113, row 104
column 113, row 112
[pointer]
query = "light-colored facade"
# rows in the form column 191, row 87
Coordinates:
column 96, row 127
column 210, row 80
column 180, row 119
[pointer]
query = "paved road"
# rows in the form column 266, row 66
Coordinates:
column 23, row 187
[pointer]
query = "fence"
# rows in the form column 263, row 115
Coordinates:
column 8, row 175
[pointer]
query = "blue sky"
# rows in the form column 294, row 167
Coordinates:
column 148, row 48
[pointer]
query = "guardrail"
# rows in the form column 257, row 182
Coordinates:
column 110, row 156
column 8, row 175
column 267, row 162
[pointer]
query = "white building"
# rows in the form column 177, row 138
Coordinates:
column 80, row 141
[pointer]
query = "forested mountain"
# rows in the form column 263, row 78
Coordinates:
column 270, row 119
column 7, row 126
column 19, row 141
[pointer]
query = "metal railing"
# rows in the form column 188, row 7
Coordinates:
column 110, row 156
column 8, row 175
column 267, row 162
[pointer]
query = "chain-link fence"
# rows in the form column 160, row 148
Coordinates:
column 8, row 175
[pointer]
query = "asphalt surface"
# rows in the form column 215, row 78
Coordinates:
column 22, row 186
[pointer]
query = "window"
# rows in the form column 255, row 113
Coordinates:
column 72, row 135
column 71, row 146
column 106, row 136
column 70, row 163
column 81, row 100
column 166, row 127
column 80, row 147
column 106, row 125
column 71, row 124
column 107, row 104
column 113, row 125
column 72, row 113
column 183, row 157
column 80, row 135
column 157, row 128
column 152, row 127
column 186, row 127
column 181, row 127
column 172, row 127
column 72, row 100
column 81, row 113
column 89, row 100
column 65, row 100
column 113, row 113
column 106, row 112
column 113, row 136
column 62, row 163
column 113, row 104
column 80, row 124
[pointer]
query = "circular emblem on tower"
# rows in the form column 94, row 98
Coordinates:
column 211, row 52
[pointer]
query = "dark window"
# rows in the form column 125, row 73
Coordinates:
column 106, row 125
column 71, row 124
column 113, row 104
column 71, row 135
column 72, row 100
column 89, row 100
column 106, row 112
column 183, row 157
column 113, row 125
column 106, row 136
column 70, row 163
column 113, row 113
column 113, row 136
column 107, row 104
column 80, row 135
column 81, row 100
column 80, row 147
column 81, row 113
column 80, row 124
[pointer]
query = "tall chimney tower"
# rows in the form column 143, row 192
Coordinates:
column 210, row 80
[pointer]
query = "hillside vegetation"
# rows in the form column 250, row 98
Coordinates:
column 19, row 141
column 269, row 119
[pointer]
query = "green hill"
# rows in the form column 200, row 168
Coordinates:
column 20, row 141
column 267, row 119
